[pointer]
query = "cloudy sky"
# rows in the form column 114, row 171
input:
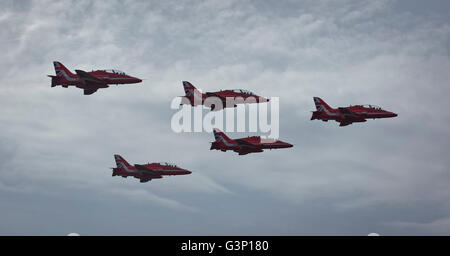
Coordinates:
column 388, row 176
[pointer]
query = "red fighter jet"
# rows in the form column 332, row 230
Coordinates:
column 228, row 98
column 90, row 82
column 348, row 115
column 243, row 146
column 146, row 172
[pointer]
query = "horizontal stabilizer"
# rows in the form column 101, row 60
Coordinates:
column 54, row 80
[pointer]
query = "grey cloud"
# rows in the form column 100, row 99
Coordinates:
column 384, row 176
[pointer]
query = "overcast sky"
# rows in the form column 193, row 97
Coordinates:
column 388, row 176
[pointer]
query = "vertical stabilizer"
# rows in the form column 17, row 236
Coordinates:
column 63, row 73
column 122, row 163
column 321, row 105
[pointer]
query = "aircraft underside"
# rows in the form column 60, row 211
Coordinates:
column 246, row 151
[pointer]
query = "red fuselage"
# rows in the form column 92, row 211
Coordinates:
column 363, row 112
column 146, row 172
column 89, row 81
column 348, row 115
column 105, row 76
column 158, row 168
column 243, row 146
column 225, row 98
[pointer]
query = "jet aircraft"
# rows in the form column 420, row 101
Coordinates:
column 243, row 146
column 348, row 115
column 228, row 98
column 90, row 82
column 145, row 172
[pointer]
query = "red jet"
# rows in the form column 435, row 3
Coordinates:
column 89, row 81
column 348, row 115
column 146, row 172
column 243, row 146
column 236, row 96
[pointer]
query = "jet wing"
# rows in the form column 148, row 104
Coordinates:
column 212, row 94
column 147, row 171
column 245, row 144
column 214, row 106
column 347, row 112
column 86, row 78
column 217, row 94
column 246, row 147
column 349, row 117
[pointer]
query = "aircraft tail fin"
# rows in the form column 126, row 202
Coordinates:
column 191, row 92
column 221, row 137
column 122, row 163
column 321, row 105
column 62, row 71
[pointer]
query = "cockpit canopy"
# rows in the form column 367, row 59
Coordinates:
column 168, row 164
column 243, row 91
column 114, row 71
column 371, row 107
column 267, row 140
